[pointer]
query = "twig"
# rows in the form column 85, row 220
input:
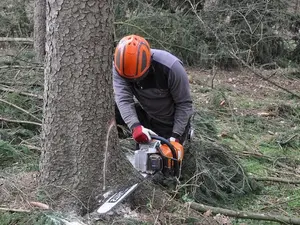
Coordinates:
column 269, row 159
column 243, row 214
column 21, row 67
column 283, row 172
column 15, row 210
column 238, row 140
column 23, row 110
column 255, row 154
column 20, row 92
column 13, row 83
column 20, row 121
column 214, row 73
column 32, row 147
column 277, row 179
column 24, row 40
column 261, row 76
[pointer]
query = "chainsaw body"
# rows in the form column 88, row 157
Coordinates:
column 159, row 156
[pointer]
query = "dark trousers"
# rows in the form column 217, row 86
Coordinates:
column 161, row 129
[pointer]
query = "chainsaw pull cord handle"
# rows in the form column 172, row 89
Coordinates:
column 165, row 141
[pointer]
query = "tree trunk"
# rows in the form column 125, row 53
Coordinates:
column 81, row 158
column 40, row 29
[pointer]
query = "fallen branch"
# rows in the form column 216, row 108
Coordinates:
column 15, row 210
column 284, row 173
column 32, row 147
column 21, row 67
column 269, row 159
column 20, row 92
column 243, row 214
column 242, row 143
column 277, row 179
column 263, row 77
column 17, row 83
column 23, row 40
column 20, row 121
column 21, row 109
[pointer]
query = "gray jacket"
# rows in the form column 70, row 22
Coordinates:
column 164, row 93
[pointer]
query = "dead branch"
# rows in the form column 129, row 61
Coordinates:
column 269, row 159
column 277, row 179
column 20, row 121
column 17, row 83
column 32, row 147
column 261, row 76
column 22, row 40
column 21, row 92
column 15, row 210
column 243, row 214
column 21, row 67
column 284, row 173
column 21, row 109
column 214, row 73
column 242, row 143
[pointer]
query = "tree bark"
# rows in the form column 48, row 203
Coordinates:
column 81, row 158
column 40, row 29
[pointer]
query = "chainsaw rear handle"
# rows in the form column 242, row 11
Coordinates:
column 165, row 141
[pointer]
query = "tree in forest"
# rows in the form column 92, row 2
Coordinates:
column 81, row 158
column 39, row 29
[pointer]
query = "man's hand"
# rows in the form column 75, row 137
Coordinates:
column 141, row 134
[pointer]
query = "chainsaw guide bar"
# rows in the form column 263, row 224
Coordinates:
column 116, row 199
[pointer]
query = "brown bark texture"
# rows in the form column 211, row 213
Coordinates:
column 81, row 159
column 40, row 29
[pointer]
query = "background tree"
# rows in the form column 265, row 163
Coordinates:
column 39, row 29
column 80, row 157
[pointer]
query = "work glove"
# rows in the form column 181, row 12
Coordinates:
column 172, row 139
column 175, row 137
column 141, row 134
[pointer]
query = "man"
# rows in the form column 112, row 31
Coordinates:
column 159, row 83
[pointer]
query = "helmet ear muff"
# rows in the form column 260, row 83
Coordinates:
column 132, row 57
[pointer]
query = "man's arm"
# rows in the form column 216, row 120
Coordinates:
column 180, row 90
column 124, row 100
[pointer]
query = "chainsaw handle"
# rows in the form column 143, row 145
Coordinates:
column 165, row 141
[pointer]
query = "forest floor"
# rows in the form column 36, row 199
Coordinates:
column 259, row 121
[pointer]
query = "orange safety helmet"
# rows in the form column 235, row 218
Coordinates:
column 132, row 57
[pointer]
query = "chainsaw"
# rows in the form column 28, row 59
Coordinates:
column 159, row 155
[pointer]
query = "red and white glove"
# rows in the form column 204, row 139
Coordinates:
column 141, row 134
